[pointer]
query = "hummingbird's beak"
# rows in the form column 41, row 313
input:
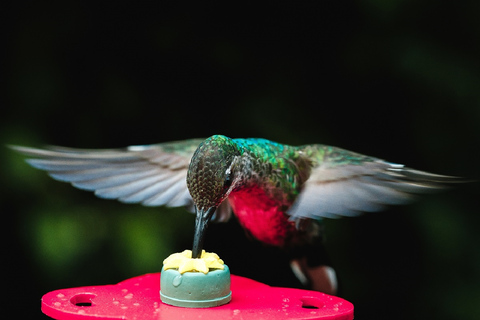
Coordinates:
column 201, row 223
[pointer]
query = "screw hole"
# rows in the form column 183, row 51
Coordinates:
column 82, row 299
column 312, row 303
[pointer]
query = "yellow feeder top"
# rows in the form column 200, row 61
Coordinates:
column 184, row 262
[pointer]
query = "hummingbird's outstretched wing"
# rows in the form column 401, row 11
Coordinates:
column 344, row 183
column 152, row 175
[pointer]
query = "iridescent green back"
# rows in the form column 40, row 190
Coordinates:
column 276, row 167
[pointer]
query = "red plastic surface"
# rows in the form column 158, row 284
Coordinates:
column 138, row 298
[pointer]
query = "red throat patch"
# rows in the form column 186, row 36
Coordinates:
column 261, row 216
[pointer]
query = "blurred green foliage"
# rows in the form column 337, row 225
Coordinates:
column 393, row 79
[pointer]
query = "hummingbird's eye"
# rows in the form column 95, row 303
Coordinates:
column 228, row 180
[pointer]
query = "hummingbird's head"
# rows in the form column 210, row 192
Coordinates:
column 210, row 174
column 209, row 181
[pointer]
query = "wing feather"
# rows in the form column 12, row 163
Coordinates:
column 171, row 188
column 344, row 183
column 152, row 175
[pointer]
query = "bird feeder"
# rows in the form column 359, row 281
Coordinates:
column 139, row 298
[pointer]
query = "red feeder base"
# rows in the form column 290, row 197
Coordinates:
column 138, row 298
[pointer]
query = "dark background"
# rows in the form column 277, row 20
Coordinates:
column 398, row 80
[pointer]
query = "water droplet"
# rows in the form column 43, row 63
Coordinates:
column 60, row 295
column 82, row 311
column 57, row 304
column 136, row 304
column 116, row 302
column 129, row 296
column 124, row 290
column 124, row 307
column 177, row 281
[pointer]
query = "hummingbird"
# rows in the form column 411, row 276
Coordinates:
column 279, row 193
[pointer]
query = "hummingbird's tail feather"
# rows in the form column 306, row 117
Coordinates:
column 311, row 265
column 321, row 278
column 309, row 259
